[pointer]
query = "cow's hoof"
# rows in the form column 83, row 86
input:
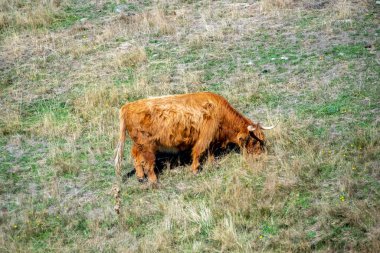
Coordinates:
column 141, row 179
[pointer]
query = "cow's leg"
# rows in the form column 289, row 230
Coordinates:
column 150, row 159
column 197, row 152
column 138, row 163
column 203, row 143
column 211, row 153
column 210, row 156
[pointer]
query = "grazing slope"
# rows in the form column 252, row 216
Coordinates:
column 311, row 67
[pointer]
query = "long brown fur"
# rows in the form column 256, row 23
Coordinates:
column 182, row 122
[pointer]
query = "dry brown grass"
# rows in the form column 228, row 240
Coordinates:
column 98, row 108
column 270, row 5
column 191, row 78
column 30, row 14
column 197, row 41
column 345, row 10
column 50, row 128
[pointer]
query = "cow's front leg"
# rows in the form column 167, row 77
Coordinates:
column 211, row 154
column 138, row 163
column 197, row 152
column 210, row 157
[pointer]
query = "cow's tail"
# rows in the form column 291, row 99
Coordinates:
column 120, row 146
column 118, row 161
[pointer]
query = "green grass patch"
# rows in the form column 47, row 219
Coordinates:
column 79, row 10
column 35, row 111
column 268, row 229
column 126, row 78
column 307, row 20
column 341, row 105
column 265, row 98
column 218, row 69
column 345, row 52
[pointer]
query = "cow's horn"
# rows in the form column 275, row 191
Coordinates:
column 266, row 128
column 251, row 128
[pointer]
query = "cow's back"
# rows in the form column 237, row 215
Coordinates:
column 172, row 121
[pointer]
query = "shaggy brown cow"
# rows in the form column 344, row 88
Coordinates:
column 176, row 123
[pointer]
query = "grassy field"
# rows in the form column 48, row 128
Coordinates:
column 311, row 67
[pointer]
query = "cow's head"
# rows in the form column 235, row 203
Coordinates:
column 253, row 140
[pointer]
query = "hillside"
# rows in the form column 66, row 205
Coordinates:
column 310, row 67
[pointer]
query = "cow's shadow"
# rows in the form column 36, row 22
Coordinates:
column 172, row 161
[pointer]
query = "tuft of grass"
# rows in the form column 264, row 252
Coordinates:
column 153, row 21
column 129, row 56
column 10, row 122
column 226, row 235
column 343, row 9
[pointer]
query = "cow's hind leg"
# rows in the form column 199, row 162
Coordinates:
column 138, row 163
column 150, row 159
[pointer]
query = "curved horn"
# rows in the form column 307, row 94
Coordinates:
column 251, row 128
column 266, row 128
